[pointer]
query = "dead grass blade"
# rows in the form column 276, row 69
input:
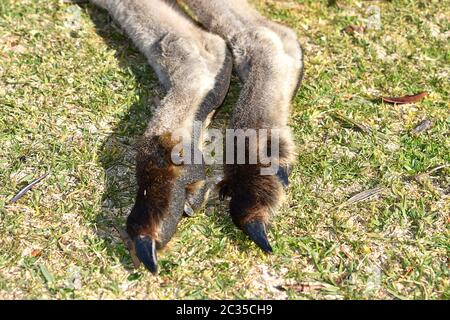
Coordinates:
column 27, row 188
column 422, row 176
column 364, row 195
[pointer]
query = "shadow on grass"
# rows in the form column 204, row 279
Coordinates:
column 117, row 153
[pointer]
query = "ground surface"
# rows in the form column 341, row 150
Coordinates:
column 75, row 94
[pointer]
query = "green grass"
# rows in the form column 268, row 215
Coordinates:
column 73, row 102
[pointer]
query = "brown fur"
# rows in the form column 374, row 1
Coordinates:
column 194, row 187
column 156, row 176
column 253, row 196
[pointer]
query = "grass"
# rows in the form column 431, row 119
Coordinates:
column 75, row 94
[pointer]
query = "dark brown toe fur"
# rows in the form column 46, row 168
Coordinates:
column 156, row 176
column 253, row 196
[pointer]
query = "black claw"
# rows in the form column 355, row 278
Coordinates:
column 283, row 176
column 257, row 232
column 146, row 252
column 223, row 192
column 188, row 211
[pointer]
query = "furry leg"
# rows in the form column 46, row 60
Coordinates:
column 194, row 68
column 268, row 59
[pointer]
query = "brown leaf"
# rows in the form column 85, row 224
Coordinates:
column 352, row 29
column 35, row 252
column 18, row 48
column 13, row 44
column 406, row 99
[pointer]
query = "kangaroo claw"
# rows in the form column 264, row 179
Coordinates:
column 257, row 232
column 146, row 252
column 188, row 211
column 222, row 195
column 223, row 192
column 283, row 176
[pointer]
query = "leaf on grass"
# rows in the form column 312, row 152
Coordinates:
column 422, row 126
column 364, row 195
column 406, row 99
column 352, row 29
column 35, row 252
column 49, row 278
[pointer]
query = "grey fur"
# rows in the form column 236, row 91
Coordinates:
column 186, row 59
column 267, row 58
